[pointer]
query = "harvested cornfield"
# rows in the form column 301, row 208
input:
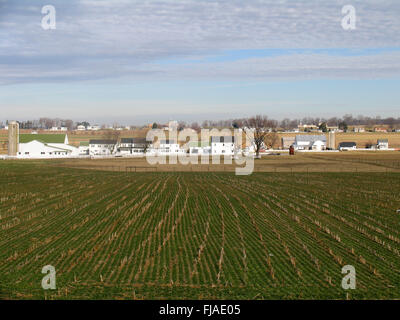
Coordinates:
column 197, row 235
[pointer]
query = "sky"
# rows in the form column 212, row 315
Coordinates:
column 136, row 62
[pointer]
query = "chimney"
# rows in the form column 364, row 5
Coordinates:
column 13, row 138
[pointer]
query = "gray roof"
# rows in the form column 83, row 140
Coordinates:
column 347, row 144
column 102, row 142
column 288, row 138
column 383, row 140
column 168, row 141
column 223, row 139
column 310, row 138
column 134, row 140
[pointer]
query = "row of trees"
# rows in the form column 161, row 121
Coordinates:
column 46, row 123
column 285, row 124
column 346, row 120
column 290, row 124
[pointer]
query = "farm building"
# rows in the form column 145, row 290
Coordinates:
column 343, row 146
column 308, row 127
column 287, row 142
column 223, row 145
column 102, row 147
column 359, row 129
column 45, row 146
column 59, row 129
column 382, row 144
column 199, row 148
column 310, row 142
column 84, row 148
column 81, row 128
column 132, row 146
column 168, row 147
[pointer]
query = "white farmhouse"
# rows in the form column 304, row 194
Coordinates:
column 132, row 146
column 93, row 128
column 59, row 129
column 223, row 145
column 201, row 148
column 169, row 147
column 102, row 147
column 84, row 148
column 347, row 146
column 310, row 142
column 359, row 129
column 382, row 144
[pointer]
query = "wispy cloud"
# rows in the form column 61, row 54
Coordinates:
column 105, row 39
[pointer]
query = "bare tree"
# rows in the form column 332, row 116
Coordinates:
column 181, row 125
column 146, row 145
column 69, row 124
column 261, row 127
column 271, row 139
column 195, row 126
column 111, row 134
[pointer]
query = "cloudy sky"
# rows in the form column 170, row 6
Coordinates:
column 141, row 61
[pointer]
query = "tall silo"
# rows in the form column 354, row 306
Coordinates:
column 332, row 140
column 13, row 137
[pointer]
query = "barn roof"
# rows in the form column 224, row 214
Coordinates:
column 102, row 142
column 223, row 139
column 134, row 140
column 310, row 138
column 346, row 144
column 45, row 138
column 168, row 141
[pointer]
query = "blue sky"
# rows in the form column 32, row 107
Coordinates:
column 141, row 61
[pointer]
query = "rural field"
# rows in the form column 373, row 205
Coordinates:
column 198, row 235
column 360, row 161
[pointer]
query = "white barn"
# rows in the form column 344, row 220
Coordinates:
column 47, row 146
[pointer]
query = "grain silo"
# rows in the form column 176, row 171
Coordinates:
column 13, row 137
column 332, row 140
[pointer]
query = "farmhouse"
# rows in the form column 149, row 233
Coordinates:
column 132, row 146
column 223, row 145
column 382, row 144
column 168, row 147
column 59, row 129
column 359, row 129
column 102, row 147
column 345, row 146
column 307, row 127
column 310, row 142
column 84, row 148
column 199, row 148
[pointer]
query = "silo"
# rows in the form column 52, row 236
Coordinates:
column 13, row 137
column 332, row 140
